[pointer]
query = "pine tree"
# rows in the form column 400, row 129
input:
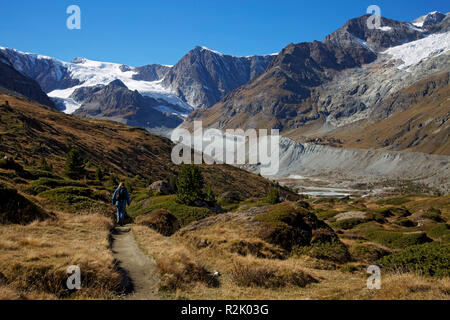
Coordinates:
column 173, row 183
column 210, row 198
column 74, row 168
column 113, row 181
column 45, row 166
column 99, row 175
column 274, row 196
column 190, row 185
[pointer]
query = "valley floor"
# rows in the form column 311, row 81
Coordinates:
column 34, row 259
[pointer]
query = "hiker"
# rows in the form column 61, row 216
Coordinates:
column 120, row 199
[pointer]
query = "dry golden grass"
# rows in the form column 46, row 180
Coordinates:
column 247, row 276
column 34, row 258
column 29, row 126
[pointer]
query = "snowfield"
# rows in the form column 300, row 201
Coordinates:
column 412, row 53
column 91, row 73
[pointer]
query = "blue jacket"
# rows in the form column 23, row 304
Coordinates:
column 127, row 198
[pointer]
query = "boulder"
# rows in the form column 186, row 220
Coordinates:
column 162, row 187
column 230, row 196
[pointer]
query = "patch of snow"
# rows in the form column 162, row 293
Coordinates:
column 214, row 51
column 412, row 53
column 170, row 110
column 91, row 73
column 414, row 27
column 419, row 22
column 362, row 42
column 386, row 28
column 67, row 105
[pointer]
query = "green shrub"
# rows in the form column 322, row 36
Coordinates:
column 395, row 239
column 184, row 213
column 349, row 268
column 433, row 214
column 325, row 214
column 396, row 201
column 161, row 220
column 9, row 163
column 45, row 166
column 44, row 184
column 432, row 259
column 367, row 252
column 210, row 198
column 405, row 223
column 36, row 174
column 15, row 208
column 347, row 224
column 334, row 251
column 287, row 225
column 440, row 231
column 75, row 199
column 99, row 175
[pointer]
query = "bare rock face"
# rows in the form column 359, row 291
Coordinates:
column 312, row 89
column 162, row 187
column 13, row 80
column 391, row 33
column 203, row 76
column 115, row 101
column 151, row 72
column 50, row 73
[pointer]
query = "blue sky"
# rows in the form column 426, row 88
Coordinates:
column 155, row 31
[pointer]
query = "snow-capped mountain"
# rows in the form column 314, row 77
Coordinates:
column 429, row 19
column 12, row 81
column 199, row 79
column 204, row 76
column 355, row 77
column 60, row 79
column 411, row 53
column 117, row 102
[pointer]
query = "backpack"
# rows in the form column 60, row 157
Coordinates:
column 120, row 195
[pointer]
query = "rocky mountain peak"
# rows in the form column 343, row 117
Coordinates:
column 429, row 19
column 391, row 33
column 117, row 83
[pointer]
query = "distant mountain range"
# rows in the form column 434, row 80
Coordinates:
column 328, row 92
column 323, row 91
column 13, row 81
column 200, row 79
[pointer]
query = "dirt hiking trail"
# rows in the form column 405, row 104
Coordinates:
column 141, row 276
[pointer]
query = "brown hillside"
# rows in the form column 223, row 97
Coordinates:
column 32, row 131
column 423, row 127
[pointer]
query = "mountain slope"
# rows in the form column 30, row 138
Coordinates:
column 203, row 76
column 60, row 79
column 151, row 72
column 421, row 127
column 116, row 102
column 13, row 80
column 355, row 74
column 32, row 132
